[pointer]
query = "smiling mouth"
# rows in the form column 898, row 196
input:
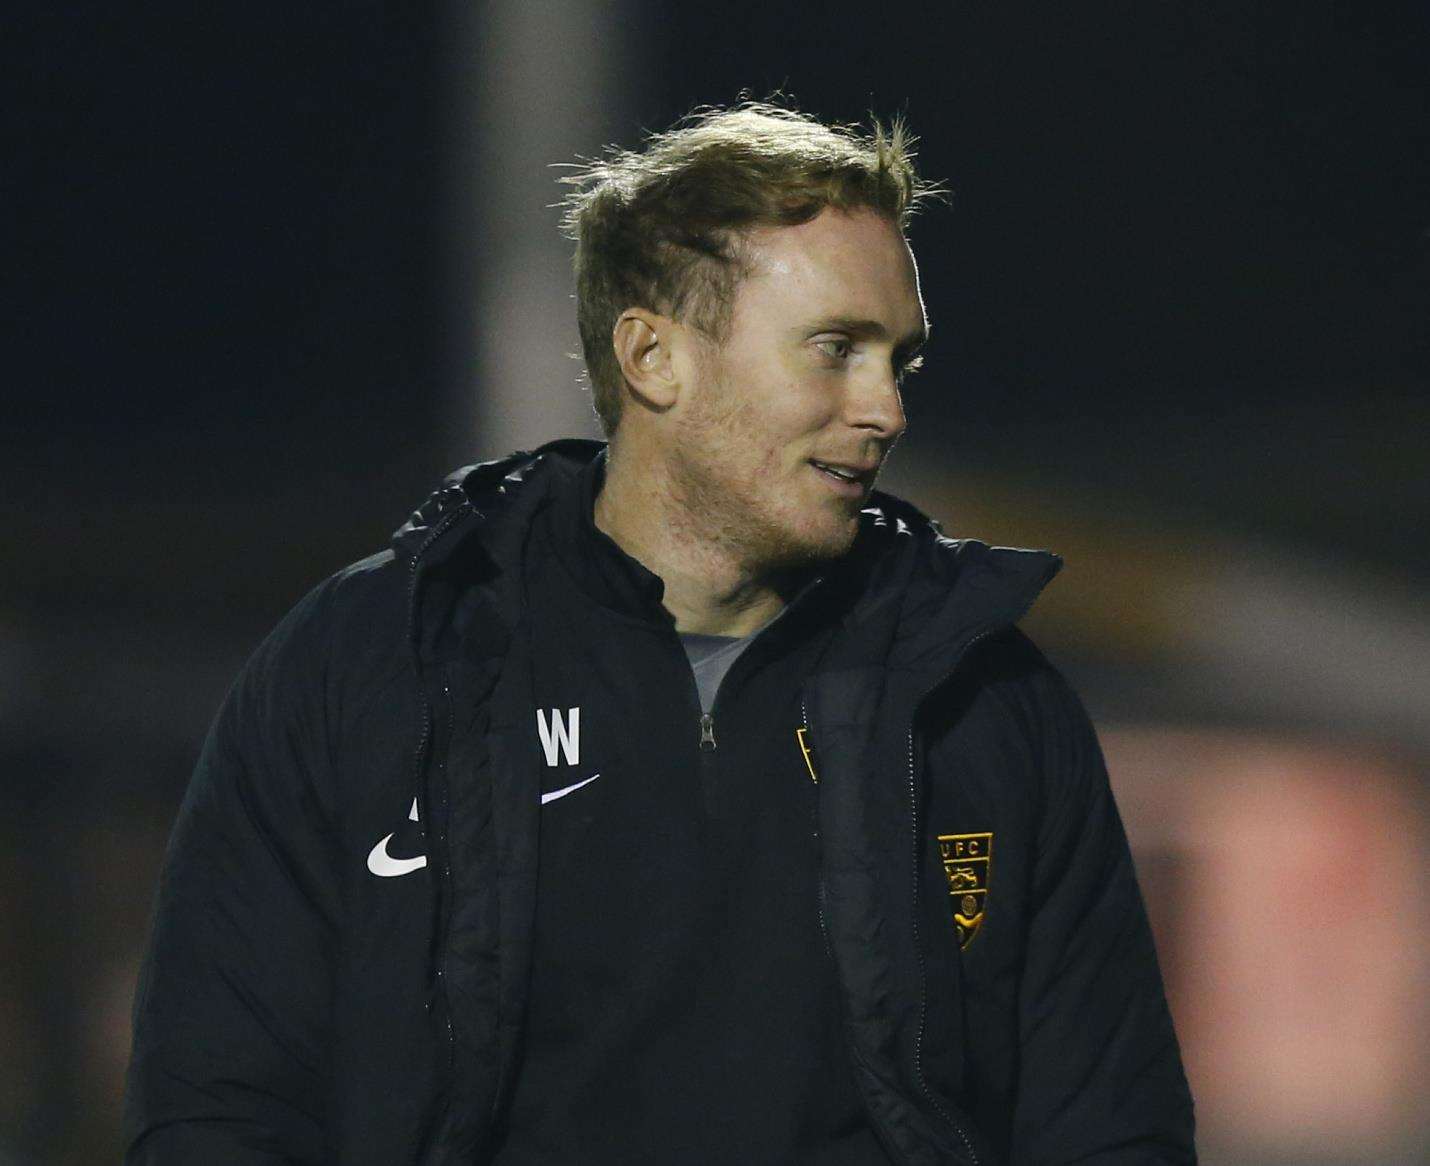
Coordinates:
column 850, row 480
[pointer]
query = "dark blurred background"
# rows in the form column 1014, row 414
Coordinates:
column 273, row 270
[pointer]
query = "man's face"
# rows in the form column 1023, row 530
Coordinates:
column 787, row 422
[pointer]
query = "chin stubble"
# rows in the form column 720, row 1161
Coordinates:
column 723, row 513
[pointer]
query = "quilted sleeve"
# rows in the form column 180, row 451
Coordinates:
column 1101, row 1081
column 231, row 1016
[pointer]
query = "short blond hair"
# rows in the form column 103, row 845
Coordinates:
column 660, row 227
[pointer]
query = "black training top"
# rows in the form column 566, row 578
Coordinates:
column 683, row 1003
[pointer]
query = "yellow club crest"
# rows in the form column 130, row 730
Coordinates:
column 966, row 862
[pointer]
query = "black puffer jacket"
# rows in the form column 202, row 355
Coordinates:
column 294, row 1008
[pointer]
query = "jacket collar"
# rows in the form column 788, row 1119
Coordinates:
column 912, row 596
column 600, row 567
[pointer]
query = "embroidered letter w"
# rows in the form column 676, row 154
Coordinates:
column 557, row 734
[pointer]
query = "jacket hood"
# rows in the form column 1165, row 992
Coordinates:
column 485, row 491
column 923, row 595
column 462, row 546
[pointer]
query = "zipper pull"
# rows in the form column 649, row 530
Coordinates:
column 707, row 731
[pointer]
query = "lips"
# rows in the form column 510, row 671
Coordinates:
column 849, row 482
column 849, row 474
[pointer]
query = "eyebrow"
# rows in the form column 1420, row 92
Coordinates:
column 873, row 330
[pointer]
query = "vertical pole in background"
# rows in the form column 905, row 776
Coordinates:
column 530, row 84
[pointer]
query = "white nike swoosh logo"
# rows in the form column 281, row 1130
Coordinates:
column 385, row 866
column 561, row 793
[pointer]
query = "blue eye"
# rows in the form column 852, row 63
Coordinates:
column 837, row 349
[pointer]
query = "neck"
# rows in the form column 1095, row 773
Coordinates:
column 708, row 588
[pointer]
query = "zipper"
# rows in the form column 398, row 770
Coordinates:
column 707, row 745
column 885, row 1139
column 442, row 977
column 923, row 968
column 939, row 1107
column 818, row 858
column 420, row 757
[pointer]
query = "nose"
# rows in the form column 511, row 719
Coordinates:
column 876, row 405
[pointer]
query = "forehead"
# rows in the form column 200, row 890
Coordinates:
column 840, row 263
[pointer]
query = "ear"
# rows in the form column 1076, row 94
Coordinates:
column 642, row 342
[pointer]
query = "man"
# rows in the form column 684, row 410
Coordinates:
column 681, row 800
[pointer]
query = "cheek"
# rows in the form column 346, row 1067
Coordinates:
column 785, row 430
column 807, row 409
column 770, row 423
column 798, row 400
